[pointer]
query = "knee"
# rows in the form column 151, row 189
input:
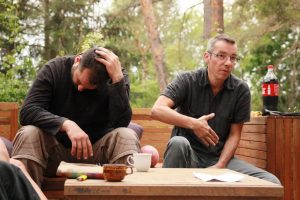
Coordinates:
column 127, row 133
column 29, row 129
column 272, row 178
column 28, row 133
column 178, row 143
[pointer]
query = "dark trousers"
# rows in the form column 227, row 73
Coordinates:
column 179, row 154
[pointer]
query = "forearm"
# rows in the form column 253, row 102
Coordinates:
column 21, row 166
column 230, row 145
column 170, row 116
column 228, row 152
column 32, row 114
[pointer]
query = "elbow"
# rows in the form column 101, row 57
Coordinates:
column 154, row 113
column 23, row 116
column 124, row 119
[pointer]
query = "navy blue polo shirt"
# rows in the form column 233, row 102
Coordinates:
column 193, row 96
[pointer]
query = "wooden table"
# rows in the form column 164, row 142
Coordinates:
column 167, row 184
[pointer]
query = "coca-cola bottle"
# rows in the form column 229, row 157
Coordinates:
column 270, row 91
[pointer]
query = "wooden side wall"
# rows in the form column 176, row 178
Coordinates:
column 284, row 153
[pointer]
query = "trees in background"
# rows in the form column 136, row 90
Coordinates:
column 15, row 69
column 155, row 43
column 213, row 18
column 35, row 31
column 268, row 33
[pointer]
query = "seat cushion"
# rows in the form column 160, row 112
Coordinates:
column 137, row 128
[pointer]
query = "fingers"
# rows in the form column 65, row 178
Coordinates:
column 74, row 147
column 87, row 149
column 207, row 141
column 208, row 117
column 103, row 50
column 82, row 148
column 106, row 55
column 111, row 62
column 213, row 136
column 79, row 149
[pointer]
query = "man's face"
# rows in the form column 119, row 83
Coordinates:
column 81, row 78
column 220, row 61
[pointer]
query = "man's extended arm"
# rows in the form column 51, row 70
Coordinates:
column 162, row 111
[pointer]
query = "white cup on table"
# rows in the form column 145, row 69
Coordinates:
column 140, row 161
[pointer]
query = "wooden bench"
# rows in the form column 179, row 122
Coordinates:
column 9, row 119
column 252, row 147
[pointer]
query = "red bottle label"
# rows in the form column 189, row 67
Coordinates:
column 270, row 89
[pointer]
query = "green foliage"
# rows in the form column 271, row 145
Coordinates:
column 143, row 96
column 270, row 35
column 16, row 72
column 93, row 39
column 15, row 83
column 267, row 33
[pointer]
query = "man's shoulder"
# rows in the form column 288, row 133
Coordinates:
column 193, row 75
column 236, row 82
column 61, row 61
column 58, row 65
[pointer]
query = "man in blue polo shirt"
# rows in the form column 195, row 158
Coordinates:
column 208, row 107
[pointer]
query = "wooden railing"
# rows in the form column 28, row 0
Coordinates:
column 9, row 119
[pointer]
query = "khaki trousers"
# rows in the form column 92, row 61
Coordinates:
column 41, row 153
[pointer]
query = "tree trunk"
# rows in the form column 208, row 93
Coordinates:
column 156, row 46
column 213, row 18
column 46, row 53
column 143, row 51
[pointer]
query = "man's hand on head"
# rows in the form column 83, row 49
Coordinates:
column 81, row 144
column 111, row 62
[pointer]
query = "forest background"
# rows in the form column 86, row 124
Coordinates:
column 155, row 40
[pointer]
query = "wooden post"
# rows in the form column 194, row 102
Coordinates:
column 283, row 156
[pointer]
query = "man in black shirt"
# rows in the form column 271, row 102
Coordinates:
column 73, row 112
column 211, row 106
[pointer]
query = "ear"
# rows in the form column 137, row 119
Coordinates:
column 77, row 59
column 206, row 57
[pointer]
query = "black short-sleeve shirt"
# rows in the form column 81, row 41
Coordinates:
column 193, row 96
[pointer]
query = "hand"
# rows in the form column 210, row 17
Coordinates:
column 81, row 144
column 112, row 64
column 217, row 166
column 204, row 132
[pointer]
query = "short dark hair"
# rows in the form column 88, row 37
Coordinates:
column 88, row 61
column 220, row 37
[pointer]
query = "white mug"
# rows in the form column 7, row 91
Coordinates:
column 140, row 161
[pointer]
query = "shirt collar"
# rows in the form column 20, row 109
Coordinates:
column 228, row 84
